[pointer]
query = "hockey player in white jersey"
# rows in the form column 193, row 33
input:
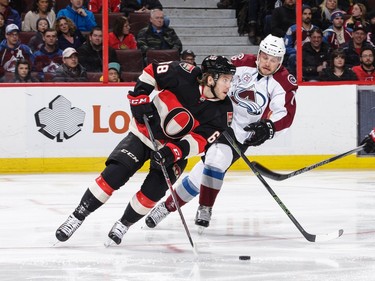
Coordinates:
column 263, row 97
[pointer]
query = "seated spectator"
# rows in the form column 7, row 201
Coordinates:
column 371, row 33
column 10, row 15
column 90, row 54
column 322, row 16
column 283, row 17
column 40, row 9
column 95, row 6
column 22, row 72
column 156, row 36
column 83, row 19
column 337, row 71
column 358, row 41
column 139, row 6
column 315, row 56
column 70, row 70
column 36, row 41
column 49, row 57
column 114, row 72
column 290, row 38
column 337, row 35
column 11, row 50
column 188, row 56
column 366, row 70
column 357, row 17
column 2, row 27
column 121, row 38
column 67, row 34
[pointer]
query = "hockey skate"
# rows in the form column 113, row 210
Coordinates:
column 66, row 230
column 203, row 217
column 156, row 215
column 116, row 233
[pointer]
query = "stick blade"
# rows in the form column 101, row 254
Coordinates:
column 328, row 236
column 268, row 173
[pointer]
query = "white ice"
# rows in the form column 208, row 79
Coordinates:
column 246, row 221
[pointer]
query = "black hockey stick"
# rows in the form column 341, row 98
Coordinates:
column 280, row 177
column 169, row 183
column 308, row 236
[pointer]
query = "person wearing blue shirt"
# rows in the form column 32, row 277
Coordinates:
column 82, row 18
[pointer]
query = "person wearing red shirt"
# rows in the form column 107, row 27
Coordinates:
column 366, row 70
column 120, row 37
column 95, row 6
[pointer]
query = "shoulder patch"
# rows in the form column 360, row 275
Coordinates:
column 187, row 67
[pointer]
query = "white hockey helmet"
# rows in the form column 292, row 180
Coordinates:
column 273, row 46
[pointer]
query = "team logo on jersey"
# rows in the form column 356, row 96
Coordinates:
column 187, row 67
column 250, row 99
column 292, row 79
column 178, row 123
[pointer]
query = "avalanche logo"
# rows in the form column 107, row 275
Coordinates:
column 178, row 123
column 60, row 120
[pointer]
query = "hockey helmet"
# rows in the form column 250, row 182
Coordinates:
column 217, row 65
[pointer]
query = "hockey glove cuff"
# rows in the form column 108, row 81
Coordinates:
column 167, row 155
column 261, row 131
column 140, row 105
column 369, row 140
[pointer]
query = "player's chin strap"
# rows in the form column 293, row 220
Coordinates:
column 212, row 87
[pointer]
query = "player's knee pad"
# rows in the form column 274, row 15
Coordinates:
column 219, row 156
column 116, row 174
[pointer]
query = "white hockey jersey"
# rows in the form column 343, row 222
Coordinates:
column 256, row 97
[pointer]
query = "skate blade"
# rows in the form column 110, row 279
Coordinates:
column 201, row 229
column 56, row 242
column 109, row 243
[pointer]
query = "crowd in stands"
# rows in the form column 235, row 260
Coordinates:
column 63, row 40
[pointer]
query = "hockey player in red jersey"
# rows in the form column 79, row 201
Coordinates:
column 369, row 142
column 185, row 117
column 263, row 97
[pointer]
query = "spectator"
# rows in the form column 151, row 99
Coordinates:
column 314, row 56
column 2, row 27
column 70, row 70
column 371, row 34
column 40, row 9
column 90, row 54
column 156, row 36
column 114, row 72
column 358, row 41
column 49, row 57
column 36, row 41
column 283, row 17
column 22, row 72
column 10, row 15
column 188, row 56
column 322, row 17
column 358, row 16
column 337, row 71
column 83, row 19
column 290, row 38
column 366, row 70
column 11, row 50
column 121, row 38
column 95, row 6
column 337, row 35
column 139, row 6
column 67, row 34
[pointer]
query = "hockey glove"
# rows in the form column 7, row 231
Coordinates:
column 167, row 155
column 369, row 140
column 140, row 105
column 262, row 130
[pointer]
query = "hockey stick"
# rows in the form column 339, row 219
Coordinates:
column 280, row 177
column 169, row 184
column 308, row 236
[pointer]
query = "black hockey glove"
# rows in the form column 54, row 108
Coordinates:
column 369, row 140
column 262, row 130
column 141, row 105
column 167, row 155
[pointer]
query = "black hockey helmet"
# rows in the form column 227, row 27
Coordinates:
column 217, row 65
